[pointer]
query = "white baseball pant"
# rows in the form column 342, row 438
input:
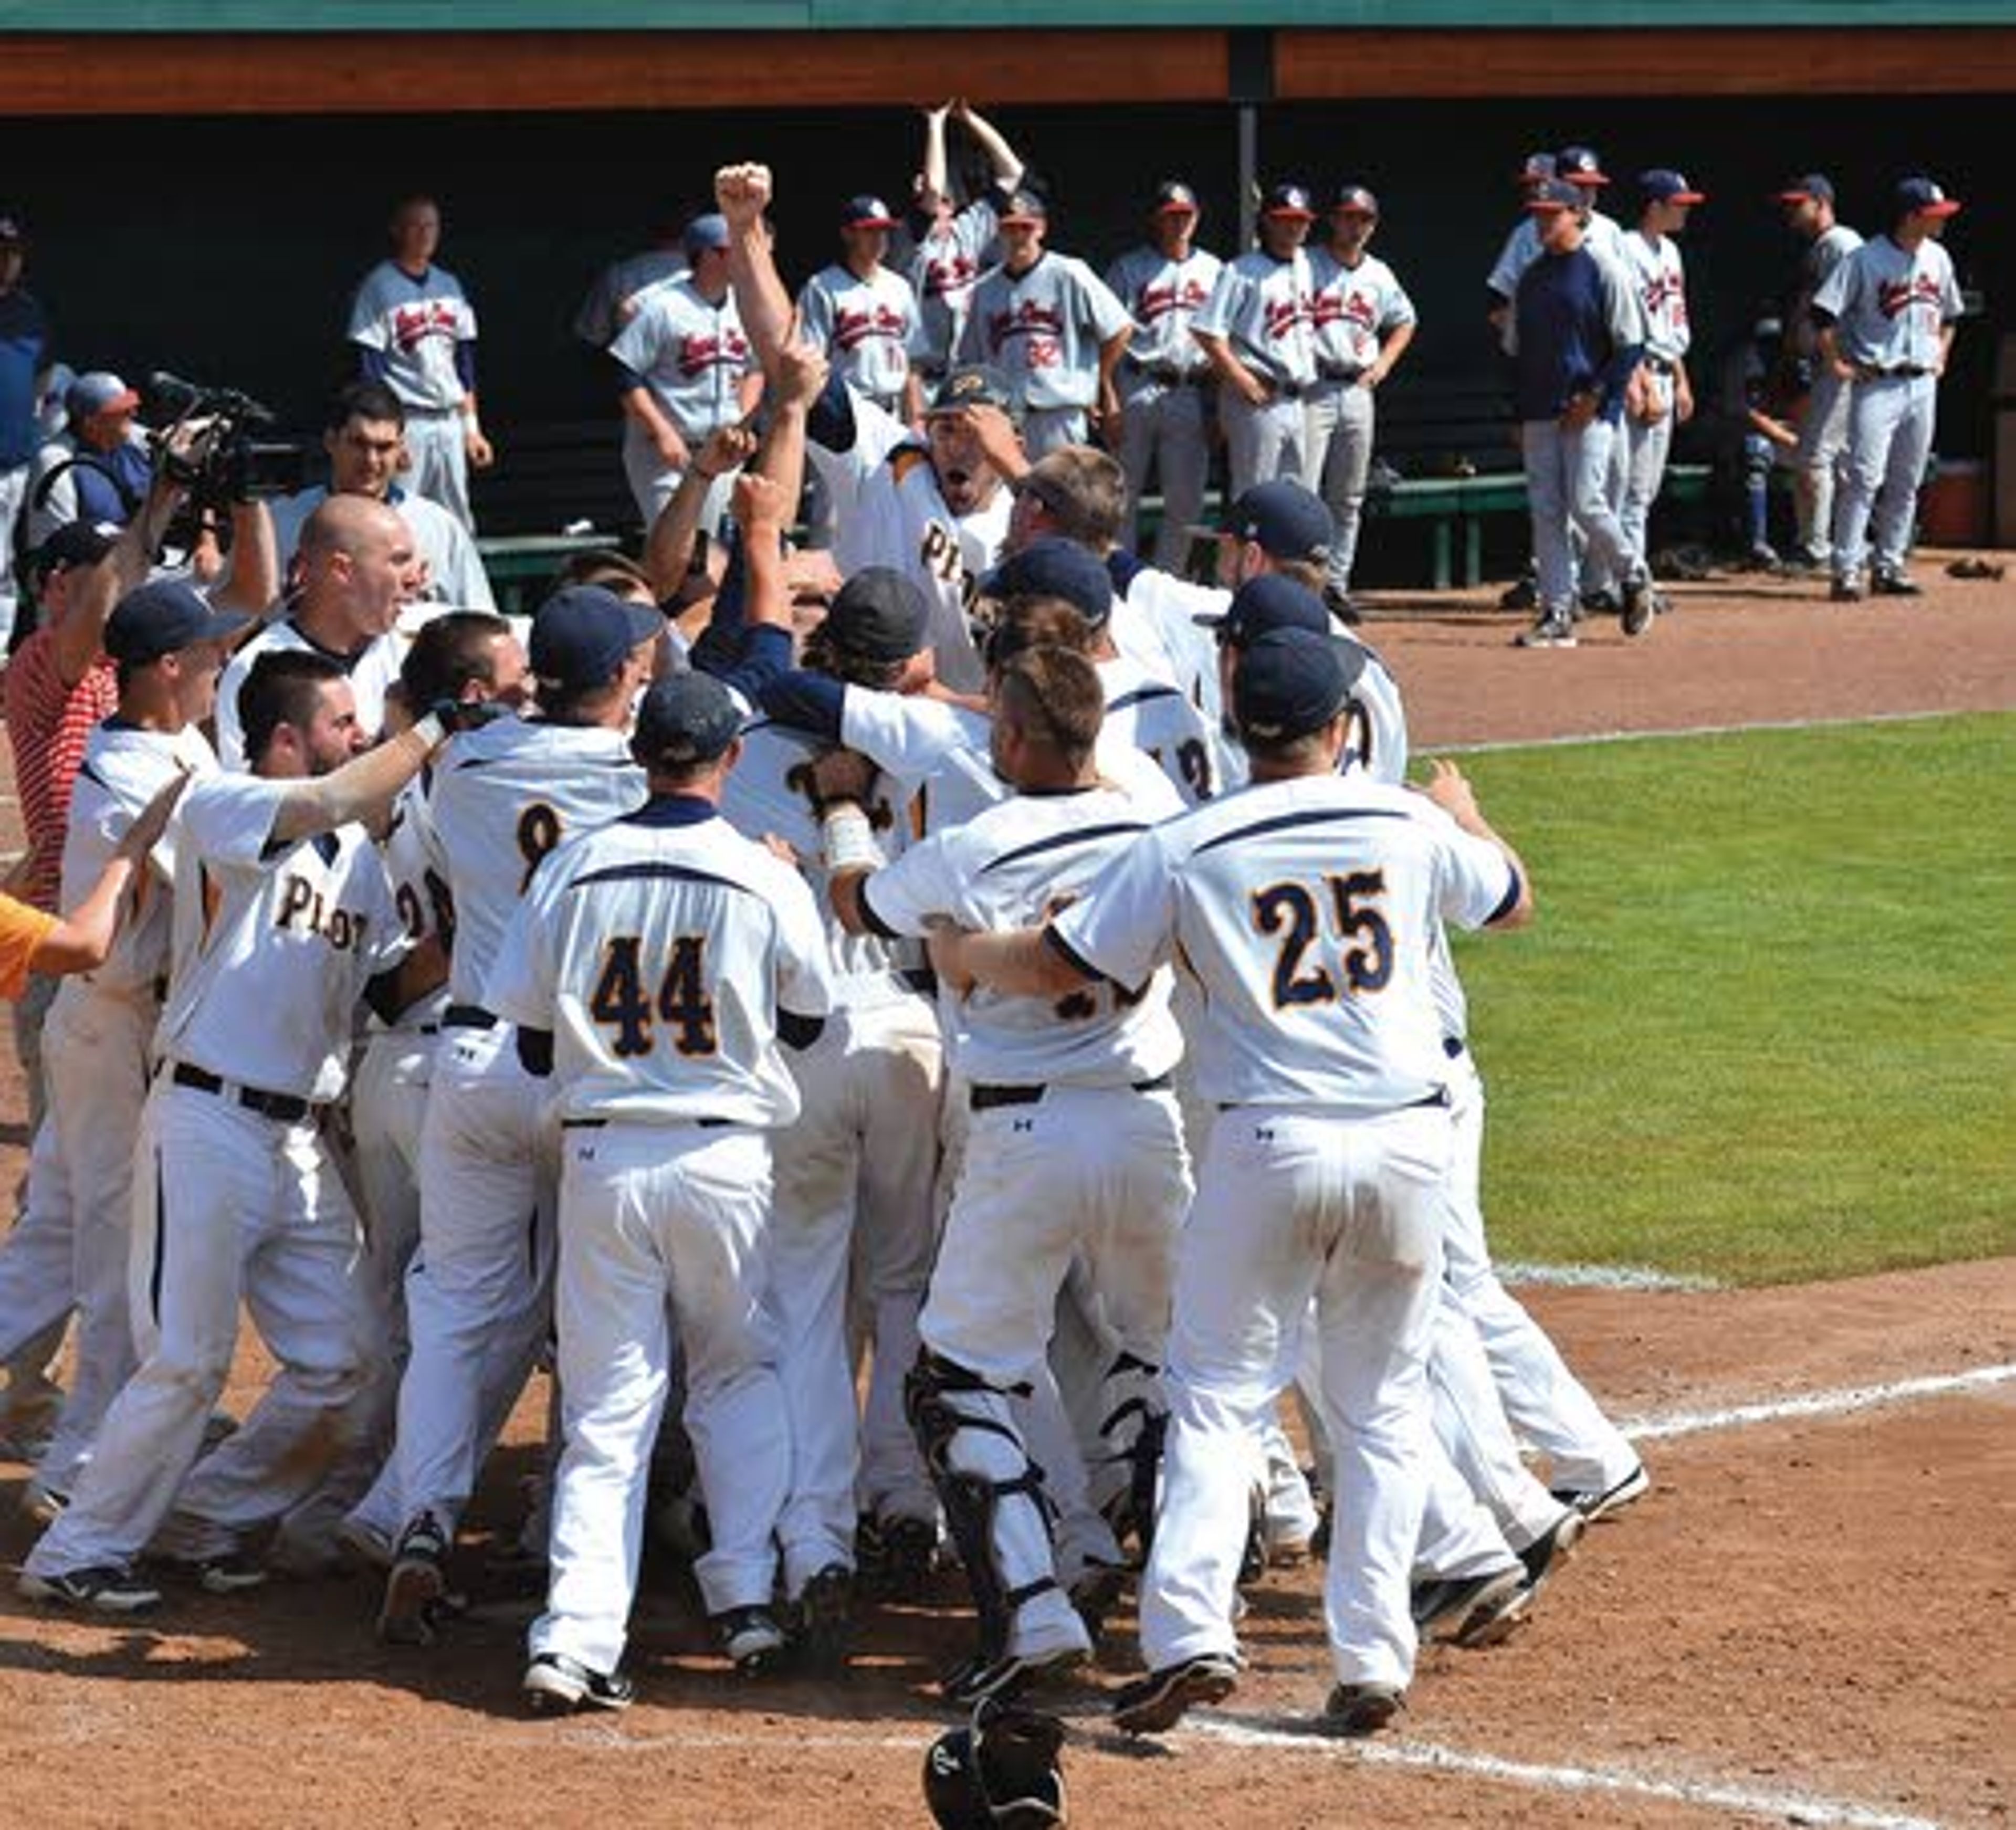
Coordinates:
column 1890, row 423
column 1645, row 444
column 1163, row 430
column 649, row 1210
column 1342, row 424
column 653, row 484
column 228, row 1206
column 1050, row 429
column 439, row 460
column 1822, row 440
column 1264, row 442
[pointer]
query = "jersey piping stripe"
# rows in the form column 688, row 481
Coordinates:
column 1077, row 961
column 1057, row 841
column 875, row 924
column 1141, row 695
column 656, row 873
column 1509, row 901
column 1282, row 823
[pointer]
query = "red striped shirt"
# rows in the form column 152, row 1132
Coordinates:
column 48, row 724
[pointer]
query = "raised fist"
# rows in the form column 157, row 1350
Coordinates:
column 742, row 192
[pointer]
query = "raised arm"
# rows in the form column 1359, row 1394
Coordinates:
column 1006, row 162
column 743, row 193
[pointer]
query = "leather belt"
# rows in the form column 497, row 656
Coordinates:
column 1337, row 371
column 985, row 1099
column 468, row 1017
column 1903, row 372
column 1169, row 375
column 283, row 1108
column 596, row 1125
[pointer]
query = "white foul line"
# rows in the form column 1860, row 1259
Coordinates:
column 1603, row 1277
column 1708, row 1795
column 1837, row 1403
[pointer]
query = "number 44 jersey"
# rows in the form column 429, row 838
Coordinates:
column 501, row 798
column 665, row 953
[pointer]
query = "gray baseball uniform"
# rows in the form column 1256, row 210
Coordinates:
column 1264, row 308
column 1355, row 309
column 1043, row 328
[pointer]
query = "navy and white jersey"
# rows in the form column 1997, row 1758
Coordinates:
column 1658, row 271
column 1043, row 328
column 1354, row 309
column 944, row 271
column 1304, row 912
column 420, row 893
column 769, row 792
column 272, row 948
column 1013, row 866
column 501, row 798
column 663, row 952
column 412, row 327
column 1888, row 306
column 692, row 354
column 868, row 329
column 1576, row 327
column 123, row 768
column 1163, row 298
column 1152, row 716
column 1265, row 309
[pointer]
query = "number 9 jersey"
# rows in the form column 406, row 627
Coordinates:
column 664, row 952
column 1304, row 910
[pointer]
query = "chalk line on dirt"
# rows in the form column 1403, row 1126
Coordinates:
column 1604, row 1277
column 1842, row 1403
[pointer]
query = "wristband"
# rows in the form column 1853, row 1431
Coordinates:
column 848, row 841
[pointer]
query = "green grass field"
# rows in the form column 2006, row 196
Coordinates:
column 1764, row 1029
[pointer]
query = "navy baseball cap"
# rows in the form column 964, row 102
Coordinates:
column 1556, row 193
column 710, row 231
column 100, row 391
column 1174, row 198
column 1285, row 520
column 879, row 614
column 1055, row 567
column 13, row 228
column 1919, row 196
column 1264, row 604
column 1814, row 185
column 76, row 543
column 690, row 717
column 1025, row 206
column 1293, row 681
column 1287, row 199
column 1355, row 199
column 866, row 212
column 1662, row 185
column 1538, row 165
column 973, row 384
column 1579, row 165
column 582, row 635
column 162, row 617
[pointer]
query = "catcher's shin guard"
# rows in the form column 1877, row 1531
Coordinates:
column 1133, row 1432
column 974, row 1455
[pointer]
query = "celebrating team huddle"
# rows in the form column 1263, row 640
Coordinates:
column 932, row 1071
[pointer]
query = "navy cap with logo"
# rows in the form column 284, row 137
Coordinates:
column 1556, row 193
column 76, row 543
column 581, row 636
column 1662, row 185
column 1285, row 520
column 1293, row 681
column 973, row 384
column 1055, row 567
column 687, row 718
column 879, row 614
column 1025, row 204
column 866, row 212
column 1815, row 187
column 704, row 232
column 1579, row 165
column 1287, row 199
column 1537, row 166
column 1175, row 197
column 1264, row 604
column 1919, row 196
column 1355, row 200
column 162, row 617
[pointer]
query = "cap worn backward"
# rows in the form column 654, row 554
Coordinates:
column 689, row 717
column 581, row 636
column 1055, row 567
column 1285, row 520
column 1292, row 682
column 162, row 617
column 880, row 614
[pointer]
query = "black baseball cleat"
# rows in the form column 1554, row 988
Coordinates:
column 1594, row 1506
column 1845, row 590
column 1641, row 601
column 556, row 1685
column 1155, row 1704
column 1354, row 1710
column 108, row 1588
column 416, row 1590
column 1523, row 595
column 981, row 1679
column 1472, row 1610
column 1553, row 1548
column 1895, row 585
column 823, row 1619
column 752, row 1639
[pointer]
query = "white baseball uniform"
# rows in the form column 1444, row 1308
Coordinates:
column 1164, row 382
column 691, row 353
column 236, row 1197
column 1148, row 714
column 1265, row 309
column 1044, row 328
column 611, row 301
column 868, row 329
column 1890, row 308
column 419, row 336
column 1304, row 911
column 664, row 953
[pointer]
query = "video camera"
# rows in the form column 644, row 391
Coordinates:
column 207, row 439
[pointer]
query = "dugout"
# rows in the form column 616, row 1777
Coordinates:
column 207, row 179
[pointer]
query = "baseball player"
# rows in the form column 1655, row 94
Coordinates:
column 416, row 331
column 1257, row 329
column 1074, row 1147
column 1575, row 329
column 287, row 920
column 1052, row 327
column 662, row 959
column 25, row 358
column 1665, row 398
column 1304, row 908
column 1807, row 206
column 1163, row 284
column 955, row 244
column 615, row 298
column 1520, row 249
column 359, row 569
column 862, row 316
column 364, row 433
column 1886, row 317
column 685, row 369
column 1364, row 322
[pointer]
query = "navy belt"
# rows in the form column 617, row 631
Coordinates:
column 985, row 1099
column 468, row 1017
column 1336, row 372
column 596, row 1125
column 1169, row 375
column 1904, row 372
column 285, row 1107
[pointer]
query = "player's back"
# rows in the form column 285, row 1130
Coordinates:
column 502, row 798
column 1156, row 718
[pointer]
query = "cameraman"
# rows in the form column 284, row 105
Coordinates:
column 364, row 435
column 99, row 469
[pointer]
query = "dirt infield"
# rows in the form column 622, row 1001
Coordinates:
column 1812, row 1619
